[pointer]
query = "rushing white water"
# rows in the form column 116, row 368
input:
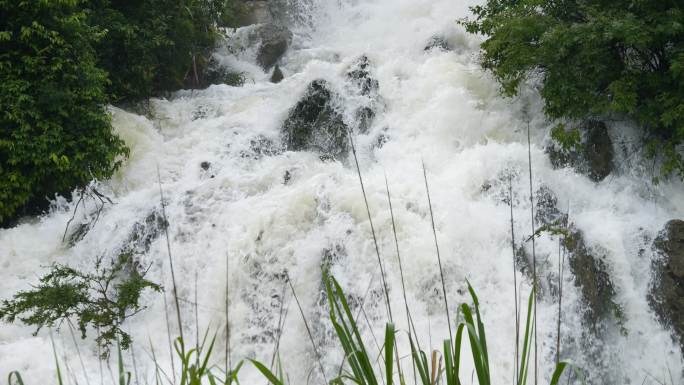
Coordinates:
column 434, row 106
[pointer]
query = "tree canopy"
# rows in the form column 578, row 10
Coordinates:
column 55, row 131
column 594, row 59
column 63, row 61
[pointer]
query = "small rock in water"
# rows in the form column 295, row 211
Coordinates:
column 666, row 295
column 205, row 165
column 277, row 75
column 365, row 117
column 437, row 42
column 360, row 74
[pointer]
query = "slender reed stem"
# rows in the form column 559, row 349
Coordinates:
column 228, row 357
column 370, row 220
column 197, row 338
column 534, row 255
column 561, row 266
column 282, row 313
column 168, row 248
column 78, row 352
column 308, row 330
column 401, row 273
column 515, row 279
column 135, row 366
column 170, row 339
column 439, row 258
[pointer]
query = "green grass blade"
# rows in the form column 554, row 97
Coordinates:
column 480, row 327
column 420, row 367
column 457, row 354
column 267, row 373
column 525, row 356
column 389, row 351
column 558, row 372
column 59, row 370
column 207, row 355
column 120, row 365
column 17, row 377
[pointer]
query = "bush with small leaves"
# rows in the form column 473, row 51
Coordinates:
column 102, row 300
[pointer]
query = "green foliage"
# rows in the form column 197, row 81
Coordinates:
column 193, row 369
column 569, row 140
column 153, row 46
column 103, row 299
column 55, row 131
column 594, row 58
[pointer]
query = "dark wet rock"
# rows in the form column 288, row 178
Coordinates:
column 277, row 75
column 253, row 12
column 593, row 278
column 364, row 119
column 546, row 280
column 215, row 73
column 77, row 234
column 275, row 40
column 381, row 140
column 261, row 146
column 205, row 165
column 360, row 75
column 595, row 155
column 145, row 232
column 666, row 295
column 500, row 188
column 546, row 208
column 314, row 124
column 598, row 150
column 201, row 112
column 263, row 293
column 437, row 42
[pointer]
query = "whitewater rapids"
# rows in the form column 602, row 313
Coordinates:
column 436, row 107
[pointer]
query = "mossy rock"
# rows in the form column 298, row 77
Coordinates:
column 594, row 156
column 666, row 295
column 593, row 278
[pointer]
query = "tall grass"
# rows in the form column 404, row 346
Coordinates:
column 197, row 364
column 534, row 253
column 359, row 366
column 370, row 221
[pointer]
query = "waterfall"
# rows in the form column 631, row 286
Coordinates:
column 237, row 198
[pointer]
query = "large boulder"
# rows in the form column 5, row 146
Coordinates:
column 253, row 12
column 275, row 39
column 595, row 155
column 591, row 273
column 666, row 295
column 315, row 124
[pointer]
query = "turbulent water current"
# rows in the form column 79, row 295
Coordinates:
column 243, row 213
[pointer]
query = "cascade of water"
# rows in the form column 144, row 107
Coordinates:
column 234, row 193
